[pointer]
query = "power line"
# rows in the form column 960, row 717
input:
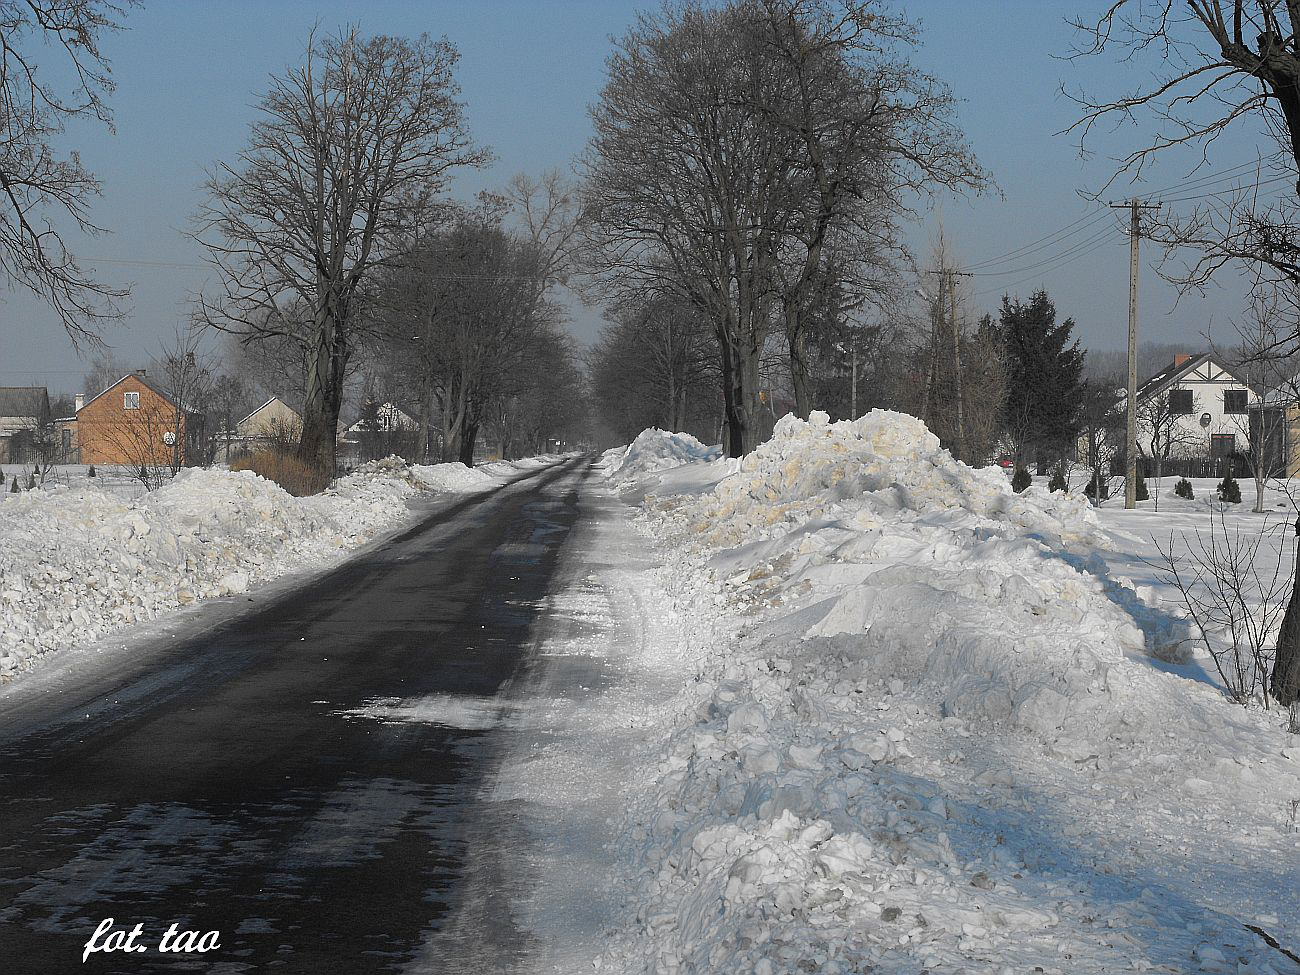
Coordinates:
column 1061, row 261
column 1042, row 241
column 1068, row 252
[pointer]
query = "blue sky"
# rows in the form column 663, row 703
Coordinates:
column 189, row 73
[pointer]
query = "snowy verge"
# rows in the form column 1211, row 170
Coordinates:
column 77, row 563
column 928, row 730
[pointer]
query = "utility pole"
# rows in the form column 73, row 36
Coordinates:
column 960, row 444
column 1130, row 440
column 853, row 383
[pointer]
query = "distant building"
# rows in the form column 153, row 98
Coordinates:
column 24, row 422
column 1203, row 405
column 273, row 423
column 133, row 423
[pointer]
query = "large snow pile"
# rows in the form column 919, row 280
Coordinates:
column 655, row 450
column 78, row 563
column 931, row 691
column 454, row 477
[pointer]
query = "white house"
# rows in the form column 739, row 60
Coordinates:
column 388, row 419
column 1196, row 407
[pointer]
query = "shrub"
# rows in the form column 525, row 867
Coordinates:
column 1140, row 492
column 1184, row 489
column 286, row 469
column 15, row 488
column 1020, row 480
column 1229, row 491
column 91, row 472
column 1057, row 483
column 1088, row 491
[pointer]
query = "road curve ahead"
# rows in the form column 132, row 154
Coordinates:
column 298, row 779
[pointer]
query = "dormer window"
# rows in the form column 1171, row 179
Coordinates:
column 130, row 401
column 1234, row 401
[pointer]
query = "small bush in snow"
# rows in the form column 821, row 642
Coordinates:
column 1142, row 494
column 91, row 472
column 1020, row 480
column 1229, row 491
column 15, row 488
column 285, row 469
column 1057, row 483
column 1089, row 489
column 1184, row 489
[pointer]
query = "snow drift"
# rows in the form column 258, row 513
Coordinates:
column 879, row 607
column 78, row 563
column 655, row 450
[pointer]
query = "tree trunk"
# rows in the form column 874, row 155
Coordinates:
column 323, row 400
column 426, row 421
column 800, row 372
column 468, row 435
column 739, row 396
column 1284, row 683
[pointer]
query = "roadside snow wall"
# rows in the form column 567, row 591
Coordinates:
column 875, row 604
column 77, row 564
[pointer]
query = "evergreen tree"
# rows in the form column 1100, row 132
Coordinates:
column 1044, row 377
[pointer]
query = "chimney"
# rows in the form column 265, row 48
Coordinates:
column 1181, row 360
column 78, row 402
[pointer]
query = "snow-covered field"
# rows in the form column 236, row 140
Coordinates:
column 928, row 725
column 77, row 562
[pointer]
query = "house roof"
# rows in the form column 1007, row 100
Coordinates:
column 24, row 401
column 1174, row 373
column 273, row 399
column 144, row 380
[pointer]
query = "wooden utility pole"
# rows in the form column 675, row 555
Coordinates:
column 1135, row 208
column 959, row 445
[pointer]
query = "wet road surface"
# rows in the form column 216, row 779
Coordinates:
column 301, row 780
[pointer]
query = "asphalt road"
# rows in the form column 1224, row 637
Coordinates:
column 301, row 780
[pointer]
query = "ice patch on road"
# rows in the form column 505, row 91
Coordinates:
column 448, row 710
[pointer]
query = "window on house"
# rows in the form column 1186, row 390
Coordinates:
column 1180, row 402
column 67, row 438
column 1234, row 401
column 130, row 401
column 1222, row 445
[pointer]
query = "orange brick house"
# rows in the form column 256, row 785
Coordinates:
column 133, row 424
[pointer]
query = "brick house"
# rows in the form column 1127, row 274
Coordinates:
column 24, row 420
column 134, row 424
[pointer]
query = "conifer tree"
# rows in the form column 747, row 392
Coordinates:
column 1044, row 367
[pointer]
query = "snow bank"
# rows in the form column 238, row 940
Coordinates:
column 454, row 477
column 922, row 684
column 655, row 450
column 78, row 563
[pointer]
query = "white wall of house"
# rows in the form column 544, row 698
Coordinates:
column 1192, row 434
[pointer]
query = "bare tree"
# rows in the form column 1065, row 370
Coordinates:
column 103, row 372
column 462, row 312
column 870, row 129
column 1101, row 433
column 1217, row 65
column 731, row 144
column 1235, row 592
column 550, row 210
column 655, row 365
column 1161, row 433
column 38, row 186
column 1273, row 377
column 322, row 195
